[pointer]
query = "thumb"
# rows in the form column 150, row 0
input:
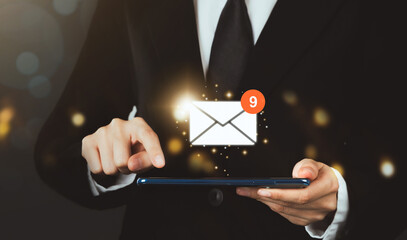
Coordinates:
column 306, row 168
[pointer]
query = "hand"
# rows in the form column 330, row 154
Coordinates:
column 301, row 206
column 123, row 146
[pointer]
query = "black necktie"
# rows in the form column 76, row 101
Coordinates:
column 231, row 48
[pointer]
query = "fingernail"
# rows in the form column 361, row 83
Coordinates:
column 264, row 193
column 159, row 160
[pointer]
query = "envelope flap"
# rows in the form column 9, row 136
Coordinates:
column 220, row 111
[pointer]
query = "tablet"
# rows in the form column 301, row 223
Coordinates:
column 235, row 182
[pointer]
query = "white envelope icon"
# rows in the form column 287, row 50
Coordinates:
column 221, row 123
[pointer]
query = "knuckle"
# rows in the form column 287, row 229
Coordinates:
column 116, row 123
column 330, row 205
column 110, row 171
column 97, row 170
column 303, row 223
column 318, row 217
column 86, row 141
column 334, row 185
column 298, row 222
column 138, row 120
column 102, row 131
column 120, row 162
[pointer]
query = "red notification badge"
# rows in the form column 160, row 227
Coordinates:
column 253, row 101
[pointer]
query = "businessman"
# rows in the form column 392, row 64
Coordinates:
column 300, row 54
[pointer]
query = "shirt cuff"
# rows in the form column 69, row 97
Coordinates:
column 122, row 181
column 339, row 219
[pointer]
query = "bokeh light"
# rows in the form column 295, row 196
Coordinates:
column 6, row 115
column 34, row 40
column 65, row 7
column 338, row 167
column 310, row 151
column 174, row 146
column 290, row 97
column 244, row 152
column 27, row 63
column 199, row 161
column 39, row 86
column 265, row 141
column 321, row 117
column 182, row 107
column 4, row 130
column 228, row 94
column 387, row 167
column 78, row 119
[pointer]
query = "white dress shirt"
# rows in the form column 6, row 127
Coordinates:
column 207, row 16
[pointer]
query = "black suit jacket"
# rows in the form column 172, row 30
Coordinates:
column 146, row 53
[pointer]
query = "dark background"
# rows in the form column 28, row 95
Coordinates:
column 54, row 31
column 40, row 41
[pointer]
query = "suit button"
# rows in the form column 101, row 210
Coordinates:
column 215, row 197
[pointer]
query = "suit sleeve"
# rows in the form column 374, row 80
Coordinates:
column 99, row 89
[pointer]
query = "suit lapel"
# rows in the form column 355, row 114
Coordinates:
column 292, row 28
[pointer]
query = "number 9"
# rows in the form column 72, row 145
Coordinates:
column 253, row 101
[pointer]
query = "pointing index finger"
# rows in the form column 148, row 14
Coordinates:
column 146, row 136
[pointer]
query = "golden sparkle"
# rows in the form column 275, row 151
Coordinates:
column 184, row 133
column 244, row 152
column 214, row 150
column 78, row 119
column 265, row 141
column 227, row 157
column 216, row 167
column 216, row 85
column 229, row 94
column 387, row 167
